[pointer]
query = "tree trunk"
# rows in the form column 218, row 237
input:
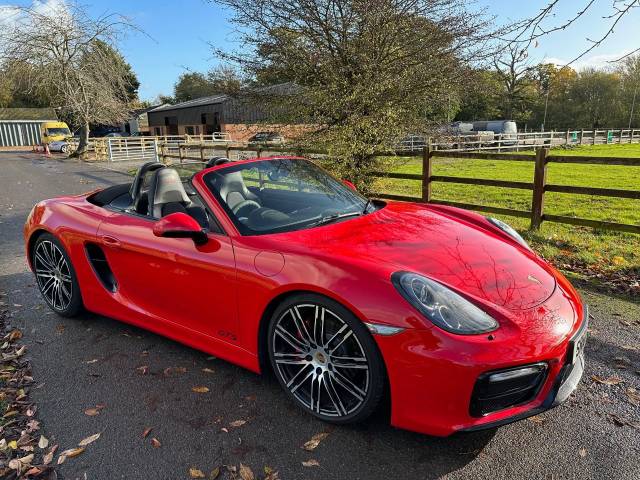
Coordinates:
column 83, row 145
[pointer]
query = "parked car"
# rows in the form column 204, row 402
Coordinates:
column 64, row 146
column 266, row 139
column 275, row 265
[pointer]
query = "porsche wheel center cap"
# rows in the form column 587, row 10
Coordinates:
column 321, row 358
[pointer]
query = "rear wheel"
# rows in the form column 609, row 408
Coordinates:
column 326, row 359
column 55, row 275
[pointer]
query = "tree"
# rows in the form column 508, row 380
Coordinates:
column 629, row 72
column 191, row 85
column 480, row 98
column 515, row 72
column 73, row 58
column 365, row 72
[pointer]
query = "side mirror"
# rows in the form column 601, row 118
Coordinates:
column 350, row 185
column 180, row 225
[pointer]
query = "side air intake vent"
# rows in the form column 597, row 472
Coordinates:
column 101, row 268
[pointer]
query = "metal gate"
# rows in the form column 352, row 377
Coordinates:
column 132, row 149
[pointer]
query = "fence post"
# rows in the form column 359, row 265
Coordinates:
column 201, row 151
column 631, row 139
column 595, row 134
column 539, row 182
column 620, row 138
column 581, row 135
column 180, row 153
column 426, row 172
column 567, row 140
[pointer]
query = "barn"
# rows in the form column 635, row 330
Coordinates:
column 20, row 127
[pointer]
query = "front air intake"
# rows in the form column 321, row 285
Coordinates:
column 506, row 388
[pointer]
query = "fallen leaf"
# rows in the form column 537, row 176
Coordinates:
column 13, row 444
column 224, row 430
column 155, row 442
column 208, row 370
column 200, row 389
column 311, row 463
column 195, row 473
column 86, row 441
column 19, row 464
column 49, row 456
column 633, row 396
column 618, row 260
column 43, row 442
column 60, row 328
column 72, row 452
column 146, row 432
column 92, row 412
column 215, row 473
column 237, row 423
column 582, row 452
column 536, row 419
column 315, row 441
column 606, row 381
column 33, row 472
column 14, row 335
column 246, row 473
column 92, row 361
column 143, row 370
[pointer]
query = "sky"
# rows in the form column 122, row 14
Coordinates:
column 177, row 35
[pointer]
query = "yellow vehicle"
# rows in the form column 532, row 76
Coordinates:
column 54, row 132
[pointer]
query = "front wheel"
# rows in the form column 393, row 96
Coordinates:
column 325, row 359
column 56, row 277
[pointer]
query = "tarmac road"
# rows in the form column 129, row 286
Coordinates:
column 80, row 363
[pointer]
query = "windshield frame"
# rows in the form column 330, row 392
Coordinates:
column 206, row 177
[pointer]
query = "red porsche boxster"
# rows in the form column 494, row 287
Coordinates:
column 273, row 264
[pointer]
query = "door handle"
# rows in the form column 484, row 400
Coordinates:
column 110, row 241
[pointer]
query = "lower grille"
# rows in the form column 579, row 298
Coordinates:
column 506, row 388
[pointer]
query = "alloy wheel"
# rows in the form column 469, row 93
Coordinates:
column 53, row 274
column 320, row 360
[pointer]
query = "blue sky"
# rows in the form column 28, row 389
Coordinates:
column 178, row 33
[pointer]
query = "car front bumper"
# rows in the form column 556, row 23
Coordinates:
column 432, row 387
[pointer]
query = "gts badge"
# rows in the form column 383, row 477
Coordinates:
column 230, row 336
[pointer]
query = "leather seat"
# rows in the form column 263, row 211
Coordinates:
column 234, row 191
column 167, row 195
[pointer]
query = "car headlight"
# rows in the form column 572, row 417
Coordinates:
column 442, row 306
column 509, row 230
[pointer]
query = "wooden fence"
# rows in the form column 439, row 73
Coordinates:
column 539, row 186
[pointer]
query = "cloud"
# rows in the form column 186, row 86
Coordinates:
column 602, row 61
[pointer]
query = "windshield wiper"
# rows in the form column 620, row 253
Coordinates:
column 366, row 205
column 335, row 217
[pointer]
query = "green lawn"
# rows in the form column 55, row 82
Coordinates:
column 563, row 244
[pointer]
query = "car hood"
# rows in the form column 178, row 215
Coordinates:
column 465, row 256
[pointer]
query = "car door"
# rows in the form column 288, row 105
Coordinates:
column 172, row 279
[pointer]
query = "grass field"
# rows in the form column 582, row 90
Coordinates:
column 597, row 250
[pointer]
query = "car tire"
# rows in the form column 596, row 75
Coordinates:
column 325, row 359
column 55, row 276
column 64, row 149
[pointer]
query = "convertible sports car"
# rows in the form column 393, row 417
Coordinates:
column 273, row 264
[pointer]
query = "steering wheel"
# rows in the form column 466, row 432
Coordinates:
column 245, row 207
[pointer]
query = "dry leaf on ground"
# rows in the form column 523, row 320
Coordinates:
column 86, row 441
column 215, row 473
column 633, row 395
column 606, row 381
column 43, row 442
column 155, row 442
column 582, row 452
column 195, row 473
column 315, row 441
column 72, row 452
column 237, row 423
column 92, row 412
column 311, row 463
column 246, row 473
column 208, row 370
column 200, row 389
column 146, row 432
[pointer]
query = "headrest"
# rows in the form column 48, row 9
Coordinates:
column 166, row 188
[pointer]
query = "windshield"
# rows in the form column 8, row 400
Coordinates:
column 281, row 195
column 58, row 131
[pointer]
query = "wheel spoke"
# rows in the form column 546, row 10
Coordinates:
column 304, row 379
column 300, row 325
column 336, row 335
column 333, row 395
column 352, row 365
column 40, row 257
column 291, row 340
column 348, row 385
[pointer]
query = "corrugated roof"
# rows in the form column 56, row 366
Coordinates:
column 28, row 114
column 197, row 102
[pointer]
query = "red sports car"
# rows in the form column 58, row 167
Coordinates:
column 273, row 264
